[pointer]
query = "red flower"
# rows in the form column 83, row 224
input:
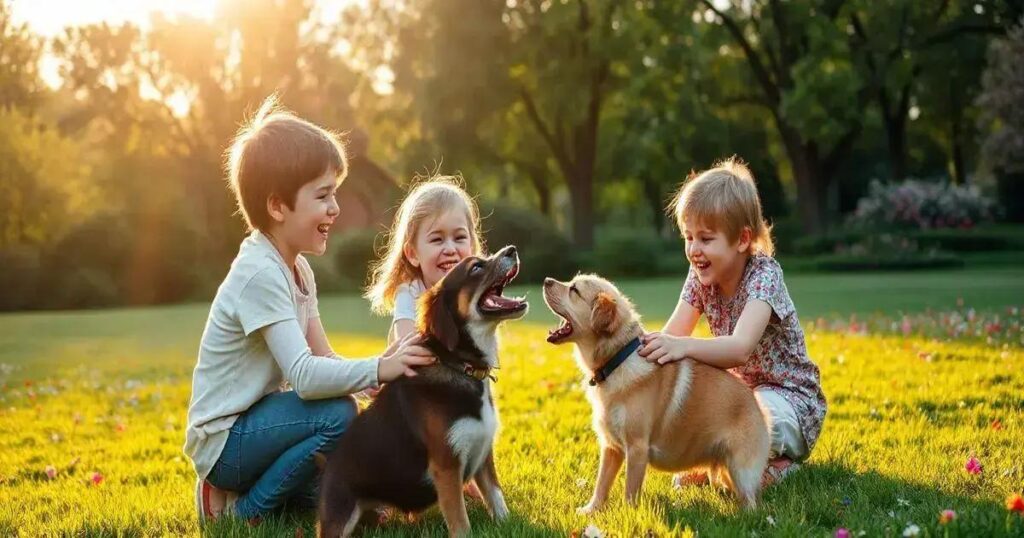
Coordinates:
column 973, row 466
column 996, row 425
column 1015, row 503
column 96, row 478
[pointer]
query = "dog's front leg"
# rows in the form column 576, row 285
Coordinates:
column 611, row 462
column 447, row 478
column 637, row 456
column 487, row 482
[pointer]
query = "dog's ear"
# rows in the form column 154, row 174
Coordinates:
column 436, row 319
column 605, row 315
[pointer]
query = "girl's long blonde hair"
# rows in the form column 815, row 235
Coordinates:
column 725, row 198
column 429, row 198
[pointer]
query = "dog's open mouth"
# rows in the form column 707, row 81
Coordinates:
column 493, row 302
column 563, row 331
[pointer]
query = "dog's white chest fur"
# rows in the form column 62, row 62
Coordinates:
column 472, row 439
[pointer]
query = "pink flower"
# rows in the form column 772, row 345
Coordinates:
column 842, row 533
column 947, row 516
column 51, row 472
column 973, row 466
column 96, row 478
column 906, row 327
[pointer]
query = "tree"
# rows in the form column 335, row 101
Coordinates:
column 1003, row 116
column 798, row 56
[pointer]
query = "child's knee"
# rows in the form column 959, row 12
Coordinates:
column 337, row 415
column 787, row 439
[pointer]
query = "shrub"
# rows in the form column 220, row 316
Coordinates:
column 19, row 277
column 915, row 204
column 886, row 252
column 543, row 250
column 354, row 252
column 630, row 253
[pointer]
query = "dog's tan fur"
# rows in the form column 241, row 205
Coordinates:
column 681, row 416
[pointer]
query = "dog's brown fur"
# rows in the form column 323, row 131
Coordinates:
column 683, row 415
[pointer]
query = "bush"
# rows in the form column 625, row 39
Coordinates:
column 915, row 204
column 543, row 250
column 886, row 262
column 19, row 277
column 631, row 253
column 354, row 252
column 886, row 252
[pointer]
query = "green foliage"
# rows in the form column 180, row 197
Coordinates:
column 543, row 250
column 634, row 253
column 353, row 253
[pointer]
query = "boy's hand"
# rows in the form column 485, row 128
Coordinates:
column 662, row 348
column 402, row 356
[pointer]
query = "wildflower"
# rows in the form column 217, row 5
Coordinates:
column 51, row 472
column 120, row 428
column 997, row 425
column 592, row 532
column 847, row 501
column 842, row 533
column 902, row 502
column 973, row 466
column 911, row 530
column 946, row 516
column 1015, row 503
column 771, row 520
column 96, row 478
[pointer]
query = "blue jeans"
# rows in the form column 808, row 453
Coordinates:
column 268, row 457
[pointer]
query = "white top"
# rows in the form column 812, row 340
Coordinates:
column 254, row 341
column 406, row 297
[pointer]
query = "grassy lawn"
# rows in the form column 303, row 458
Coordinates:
column 106, row 392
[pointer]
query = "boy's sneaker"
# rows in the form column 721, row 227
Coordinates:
column 697, row 478
column 778, row 469
column 212, row 502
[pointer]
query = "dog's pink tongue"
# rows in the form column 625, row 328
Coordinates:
column 497, row 301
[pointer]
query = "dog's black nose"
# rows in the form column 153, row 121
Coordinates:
column 548, row 282
column 511, row 251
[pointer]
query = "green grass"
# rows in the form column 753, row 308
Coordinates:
column 109, row 392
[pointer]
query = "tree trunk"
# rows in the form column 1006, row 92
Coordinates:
column 581, row 192
column 543, row 190
column 896, row 134
column 811, row 186
column 654, row 198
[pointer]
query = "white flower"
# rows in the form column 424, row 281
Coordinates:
column 593, row 532
column 771, row 520
column 581, row 483
column 902, row 502
column 912, row 530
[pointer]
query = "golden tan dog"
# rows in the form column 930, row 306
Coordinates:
column 683, row 415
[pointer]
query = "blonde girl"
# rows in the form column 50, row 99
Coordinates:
column 437, row 225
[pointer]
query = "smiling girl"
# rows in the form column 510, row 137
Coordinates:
column 436, row 226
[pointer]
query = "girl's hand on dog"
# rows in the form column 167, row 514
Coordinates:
column 402, row 357
column 662, row 348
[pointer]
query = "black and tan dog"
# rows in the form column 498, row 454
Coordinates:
column 425, row 436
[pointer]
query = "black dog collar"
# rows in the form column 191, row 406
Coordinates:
column 603, row 372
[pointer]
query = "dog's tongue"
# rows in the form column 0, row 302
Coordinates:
column 563, row 331
column 499, row 302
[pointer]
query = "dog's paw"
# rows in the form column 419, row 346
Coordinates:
column 589, row 508
column 499, row 511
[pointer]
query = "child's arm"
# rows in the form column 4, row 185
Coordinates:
column 316, row 376
column 722, row 351
column 400, row 329
column 683, row 320
column 316, row 337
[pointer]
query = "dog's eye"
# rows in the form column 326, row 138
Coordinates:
column 477, row 267
column 572, row 289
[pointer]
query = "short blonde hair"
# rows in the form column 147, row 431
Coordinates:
column 725, row 198
column 428, row 198
column 275, row 153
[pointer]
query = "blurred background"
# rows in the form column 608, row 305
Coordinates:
column 884, row 134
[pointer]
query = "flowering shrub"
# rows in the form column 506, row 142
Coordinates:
column 915, row 204
column 996, row 329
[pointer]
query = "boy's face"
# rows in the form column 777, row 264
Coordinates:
column 305, row 227
column 439, row 245
column 712, row 255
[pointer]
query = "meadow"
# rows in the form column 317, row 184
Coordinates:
column 92, row 413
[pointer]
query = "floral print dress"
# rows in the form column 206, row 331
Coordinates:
column 780, row 358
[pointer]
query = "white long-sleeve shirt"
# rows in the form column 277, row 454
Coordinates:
column 254, row 340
